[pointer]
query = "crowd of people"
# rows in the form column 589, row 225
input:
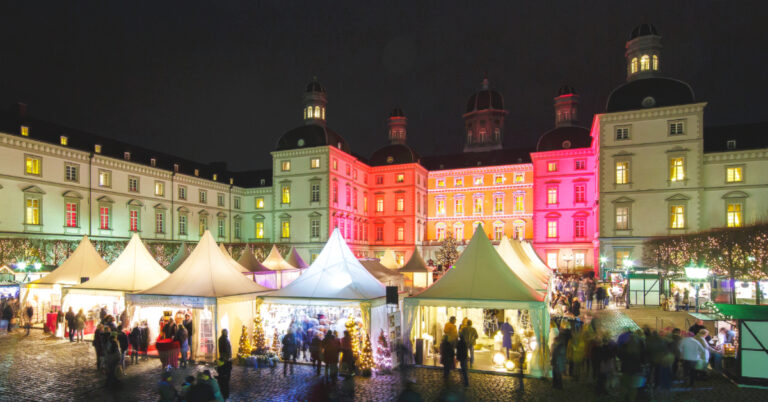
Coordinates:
column 458, row 346
column 570, row 294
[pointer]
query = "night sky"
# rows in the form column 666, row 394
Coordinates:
column 222, row 80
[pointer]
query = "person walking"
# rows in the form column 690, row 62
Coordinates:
column 225, row 367
column 28, row 313
column 98, row 345
column 71, row 324
column 316, row 351
column 135, row 339
column 331, row 350
column 447, row 356
column 693, row 355
column 558, row 361
column 8, row 315
column 79, row 325
column 183, row 339
column 687, row 300
column 290, row 350
column 462, row 357
column 590, row 293
column 347, row 356
column 166, row 389
column 470, row 336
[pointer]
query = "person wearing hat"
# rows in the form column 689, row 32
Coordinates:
column 207, row 378
column 165, row 387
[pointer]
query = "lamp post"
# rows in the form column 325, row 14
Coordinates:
column 696, row 275
column 627, row 265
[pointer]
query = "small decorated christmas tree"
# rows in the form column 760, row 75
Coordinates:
column 259, row 338
column 351, row 326
column 245, row 345
column 448, row 252
column 276, row 342
column 365, row 364
column 383, row 354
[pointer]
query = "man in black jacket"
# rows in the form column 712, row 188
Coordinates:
column 462, row 357
column 225, row 368
column 122, row 341
column 71, row 324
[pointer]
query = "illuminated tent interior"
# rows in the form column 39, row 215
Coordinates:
column 135, row 269
column 258, row 272
column 179, row 258
column 482, row 288
column 84, row 263
column 517, row 259
column 389, row 260
column 416, row 272
column 387, row 277
column 286, row 273
column 211, row 287
column 295, row 260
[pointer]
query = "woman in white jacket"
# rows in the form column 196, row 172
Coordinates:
column 694, row 356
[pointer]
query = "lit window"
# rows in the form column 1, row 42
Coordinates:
column 440, row 231
column 401, row 178
column 519, row 201
column 734, row 215
column 440, row 183
column 285, row 194
column 580, row 164
column 63, row 140
column 24, row 131
column 400, row 233
column 335, row 164
column 551, row 166
column 220, row 227
column 322, row 115
column 133, row 220
column 655, row 62
column 32, row 165
column 285, row 166
column 622, row 172
column 622, row 133
column 71, row 214
column 477, row 205
column 440, row 206
column 182, row 192
column 498, row 179
column 676, row 128
column 379, row 204
column 220, row 199
column 478, row 180
column 519, row 177
column 71, row 172
column 133, row 184
column 498, row 230
column 259, row 230
column 285, row 229
column 215, row 177
column 633, row 65
column 127, row 156
column 579, row 259
column 622, row 218
column 104, row 217
column 203, row 196
column 202, row 224
column 347, row 195
column 317, row 112
column 458, row 231
column 153, row 162
column 159, row 188
column 579, row 227
column 458, row 207
column 159, row 222
column 314, row 163
column 676, row 169
column 400, row 204
column 498, row 204
column 579, row 193
column 197, row 172
column 458, row 182
column 552, row 195
column 183, row 225
column 677, row 216
column 97, row 148
column 733, row 174
column 551, row 229
column 314, row 192
column 645, row 63
column 518, row 230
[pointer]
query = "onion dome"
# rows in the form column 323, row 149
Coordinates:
column 643, row 30
column 648, row 93
column 394, row 154
column 485, row 99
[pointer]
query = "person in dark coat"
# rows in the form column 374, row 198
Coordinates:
column 315, row 351
column 290, row 350
column 111, row 359
column 98, row 345
column 144, row 345
column 447, row 356
column 600, row 296
column 122, row 341
column 225, row 363
column 71, row 324
column 29, row 312
column 183, row 339
column 576, row 307
column 8, row 315
column 135, row 340
column 169, row 329
column 462, row 355
column 331, row 350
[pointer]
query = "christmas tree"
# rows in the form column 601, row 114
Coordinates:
column 276, row 342
column 245, row 344
column 351, row 326
column 383, row 354
column 447, row 254
column 259, row 338
column 366, row 358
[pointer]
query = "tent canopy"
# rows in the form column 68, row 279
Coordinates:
column 84, row 262
column 5, row 270
column 744, row 311
column 231, row 260
column 249, row 261
column 415, row 264
column 275, row 261
column 179, row 258
column 207, row 272
column 134, row 270
column 380, row 272
column 480, row 274
column 389, row 260
column 335, row 275
column 520, row 264
column 540, row 266
column 295, row 260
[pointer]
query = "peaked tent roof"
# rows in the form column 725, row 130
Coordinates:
column 249, row 262
column 294, row 259
column 520, row 264
column 179, row 258
column 275, row 261
column 134, row 270
column 84, row 262
column 236, row 264
column 207, row 272
column 336, row 274
column 4, row 269
column 380, row 272
column 535, row 259
column 415, row 264
column 389, row 260
column 480, row 274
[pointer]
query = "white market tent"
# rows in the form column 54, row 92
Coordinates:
column 260, row 274
column 336, row 278
column 520, row 264
column 479, row 280
column 286, row 273
column 179, row 258
column 295, row 260
column 538, row 263
column 84, row 263
column 210, row 285
column 417, row 273
column 388, row 277
column 234, row 263
column 135, row 269
column 389, row 260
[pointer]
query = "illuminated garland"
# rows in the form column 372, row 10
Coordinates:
column 245, row 345
column 351, row 326
column 365, row 363
column 259, row 338
column 383, row 354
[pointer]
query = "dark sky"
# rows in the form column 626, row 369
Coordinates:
column 222, row 80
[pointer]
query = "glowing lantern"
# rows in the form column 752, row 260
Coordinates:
column 510, row 365
column 498, row 359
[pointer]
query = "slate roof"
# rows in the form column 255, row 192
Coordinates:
column 747, row 136
column 477, row 159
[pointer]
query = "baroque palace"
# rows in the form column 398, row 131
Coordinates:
column 586, row 198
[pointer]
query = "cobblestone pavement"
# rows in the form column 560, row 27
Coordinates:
column 40, row 368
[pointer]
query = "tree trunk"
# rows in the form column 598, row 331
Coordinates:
column 758, row 296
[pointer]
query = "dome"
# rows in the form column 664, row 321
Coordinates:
column 315, row 86
column 394, row 154
column 566, row 90
column 643, row 30
column 485, row 99
column 649, row 92
column 311, row 135
column 566, row 137
column 397, row 112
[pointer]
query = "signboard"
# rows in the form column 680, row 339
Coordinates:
column 169, row 301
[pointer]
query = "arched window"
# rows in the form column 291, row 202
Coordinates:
column 317, row 112
column 655, row 62
column 483, row 137
column 305, row 113
column 645, row 63
column 323, row 117
column 469, row 137
column 496, row 135
column 633, row 65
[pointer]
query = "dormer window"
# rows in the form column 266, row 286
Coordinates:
column 197, row 172
column 215, row 177
column 153, row 162
column 24, row 131
column 645, row 63
column 97, row 148
column 633, row 65
column 317, row 112
column 127, row 156
column 730, row 145
column 63, row 140
column 176, row 167
column 655, row 62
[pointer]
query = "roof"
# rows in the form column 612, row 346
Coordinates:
column 294, row 259
column 181, row 254
column 135, row 269
column 384, row 275
column 84, row 262
column 311, row 135
column 485, row 99
column 232, row 260
column 643, row 93
column 415, row 264
column 207, row 272
column 477, row 159
column 643, row 30
column 275, row 261
column 564, row 137
column 519, row 262
column 315, row 86
column 746, row 136
column 744, row 311
column 481, row 274
column 84, row 141
column 334, row 275
column 249, row 261
column 538, row 264
column 389, row 260
column 393, row 154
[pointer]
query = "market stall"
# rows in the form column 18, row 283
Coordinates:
column 541, row 268
column 44, row 294
column 232, row 261
column 503, row 309
column 9, row 287
column 181, row 254
column 134, row 270
column 388, row 277
column 746, row 356
column 416, row 272
column 259, row 273
column 286, row 273
column 295, row 260
column 210, row 287
column 335, row 290
column 389, row 260
column 519, row 262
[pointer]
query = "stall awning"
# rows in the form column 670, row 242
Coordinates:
column 744, row 311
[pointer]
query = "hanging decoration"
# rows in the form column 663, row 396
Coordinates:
column 383, row 354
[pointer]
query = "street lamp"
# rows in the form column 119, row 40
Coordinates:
column 627, row 265
column 697, row 275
